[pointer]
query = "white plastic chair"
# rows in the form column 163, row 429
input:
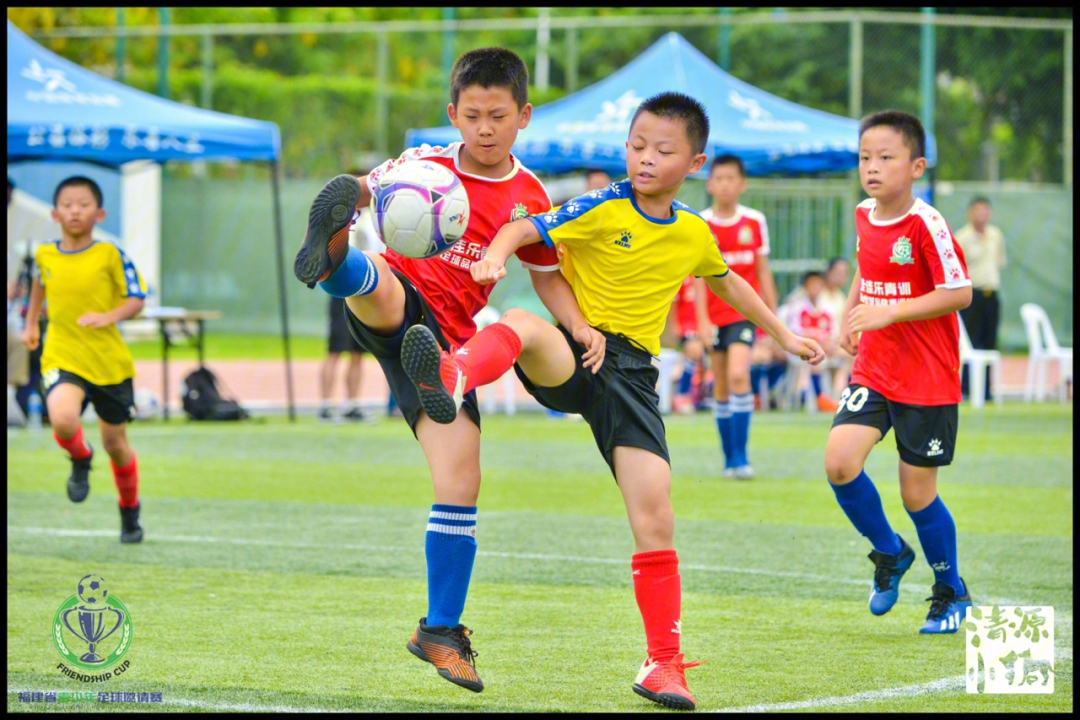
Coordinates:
column 978, row 361
column 1043, row 349
column 488, row 394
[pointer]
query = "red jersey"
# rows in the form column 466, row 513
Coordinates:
column 686, row 308
column 915, row 362
column 741, row 238
column 444, row 281
column 809, row 320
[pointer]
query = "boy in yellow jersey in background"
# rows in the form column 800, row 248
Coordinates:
column 633, row 245
column 90, row 287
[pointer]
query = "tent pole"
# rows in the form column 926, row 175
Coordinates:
column 279, row 245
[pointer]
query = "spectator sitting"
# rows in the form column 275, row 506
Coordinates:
column 984, row 250
column 811, row 316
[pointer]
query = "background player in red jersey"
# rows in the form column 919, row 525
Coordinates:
column 810, row 316
column 689, row 318
column 900, row 323
column 743, row 237
column 385, row 294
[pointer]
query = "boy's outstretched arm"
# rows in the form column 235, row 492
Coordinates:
column 510, row 237
column 941, row 301
column 737, row 293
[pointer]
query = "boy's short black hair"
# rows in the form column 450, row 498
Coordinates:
column 836, row 261
column 682, row 107
column 491, row 67
column 728, row 160
column 979, row 199
column 904, row 123
column 812, row 274
column 80, row 181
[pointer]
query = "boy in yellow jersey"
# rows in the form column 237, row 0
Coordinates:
column 633, row 245
column 90, row 287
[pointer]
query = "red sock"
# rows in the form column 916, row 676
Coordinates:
column 488, row 355
column 75, row 445
column 658, row 589
column 127, row 482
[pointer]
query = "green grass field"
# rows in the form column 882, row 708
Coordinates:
column 283, row 568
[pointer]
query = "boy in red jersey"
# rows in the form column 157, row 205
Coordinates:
column 387, row 293
column 900, row 323
column 743, row 238
column 686, row 311
column 809, row 315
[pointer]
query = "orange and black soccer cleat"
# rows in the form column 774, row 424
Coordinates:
column 665, row 683
column 439, row 380
column 327, row 240
column 449, row 650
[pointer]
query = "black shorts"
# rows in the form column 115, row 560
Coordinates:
column 619, row 402
column 115, row 404
column 341, row 340
column 925, row 434
column 737, row 332
column 387, row 350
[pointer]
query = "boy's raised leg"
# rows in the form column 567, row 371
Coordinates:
column 327, row 240
column 65, row 406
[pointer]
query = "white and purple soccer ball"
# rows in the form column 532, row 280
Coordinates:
column 421, row 209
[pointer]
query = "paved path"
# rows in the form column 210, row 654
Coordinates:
column 261, row 384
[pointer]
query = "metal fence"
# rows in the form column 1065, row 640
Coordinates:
column 999, row 92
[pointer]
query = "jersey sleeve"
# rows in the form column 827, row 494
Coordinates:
column 37, row 271
column 942, row 253
column 573, row 223
column 763, row 227
column 711, row 262
column 538, row 256
column 126, row 277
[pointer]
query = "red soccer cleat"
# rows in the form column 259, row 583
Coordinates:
column 665, row 683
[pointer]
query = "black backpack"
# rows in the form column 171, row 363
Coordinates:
column 203, row 400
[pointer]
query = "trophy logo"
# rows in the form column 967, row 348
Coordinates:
column 96, row 620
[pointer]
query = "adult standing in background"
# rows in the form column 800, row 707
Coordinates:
column 984, row 250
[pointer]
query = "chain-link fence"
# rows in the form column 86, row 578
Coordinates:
column 343, row 93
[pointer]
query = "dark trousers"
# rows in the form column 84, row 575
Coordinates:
column 981, row 320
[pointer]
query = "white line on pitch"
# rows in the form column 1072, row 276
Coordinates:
column 953, row 683
column 57, row 532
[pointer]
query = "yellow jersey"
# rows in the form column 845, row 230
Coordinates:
column 97, row 279
column 629, row 266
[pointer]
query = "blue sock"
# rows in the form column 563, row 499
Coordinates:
column 937, row 535
column 722, row 415
column 687, row 379
column 815, row 380
column 776, row 371
column 860, row 501
column 742, row 407
column 450, row 548
column 756, row 374
column 356, row 276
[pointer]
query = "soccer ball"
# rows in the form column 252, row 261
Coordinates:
column 420, row 208
column 92, row 591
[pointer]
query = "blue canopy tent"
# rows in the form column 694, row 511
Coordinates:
column 589, row 128
column 59, row 111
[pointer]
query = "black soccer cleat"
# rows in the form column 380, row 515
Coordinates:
column 78, row 484
column 439, row 381
column 327, row 241
column 449, row 650
column 130, row 530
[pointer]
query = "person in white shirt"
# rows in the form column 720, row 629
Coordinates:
column 984, row 250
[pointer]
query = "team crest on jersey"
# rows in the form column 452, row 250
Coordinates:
column 519, row 211
column 901, row 252
column 624, row 240
column 745, row 236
